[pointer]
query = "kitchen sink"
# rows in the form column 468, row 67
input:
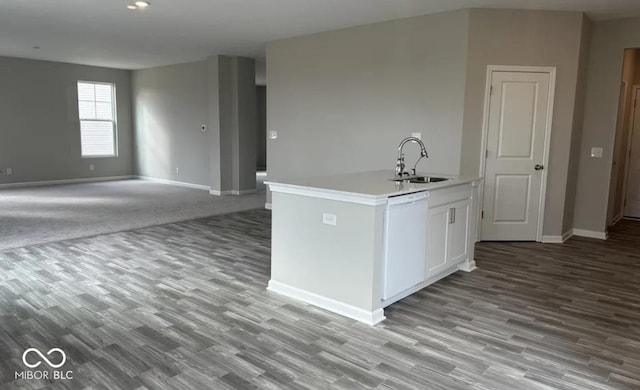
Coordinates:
column 421, row 179
column 427, row 179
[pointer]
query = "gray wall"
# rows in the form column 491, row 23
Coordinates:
column 261, row 141
column 219, row 83
column 578, row 125
column 39, row 126
column 342, row 101
column 245, row 132
column 170, row 107
column 609, row 39
column 528, row 38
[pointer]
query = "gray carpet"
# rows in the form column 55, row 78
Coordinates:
column 37, row 215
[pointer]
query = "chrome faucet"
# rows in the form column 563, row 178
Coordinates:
column 400, row 162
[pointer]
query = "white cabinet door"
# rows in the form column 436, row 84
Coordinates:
column 458, row 237
column 447, row 236
column 437, row 240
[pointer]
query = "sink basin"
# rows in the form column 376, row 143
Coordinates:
column 426, row 179
column 421, row 179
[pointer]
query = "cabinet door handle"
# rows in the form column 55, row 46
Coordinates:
column 452, row 215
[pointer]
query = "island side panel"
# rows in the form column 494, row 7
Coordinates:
column 341, row 263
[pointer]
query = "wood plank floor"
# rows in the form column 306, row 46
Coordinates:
column 184, row 306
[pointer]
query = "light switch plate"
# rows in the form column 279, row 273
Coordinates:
column 91, row 167
column 417, row 135
column 329, row 219
column 9, row 171
column 596, row 152
column 273, row 134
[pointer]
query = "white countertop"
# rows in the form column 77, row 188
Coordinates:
column 372, row 187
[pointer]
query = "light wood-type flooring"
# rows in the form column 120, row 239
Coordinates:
column 184, row 306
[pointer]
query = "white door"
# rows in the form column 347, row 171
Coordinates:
column 632, row 205
column 517, row 126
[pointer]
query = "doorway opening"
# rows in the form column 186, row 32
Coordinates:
column 261, row 144
column 624, row 187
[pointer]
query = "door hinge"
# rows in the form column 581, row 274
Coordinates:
column 486, row 153
column 491, row 90
column 482, row 214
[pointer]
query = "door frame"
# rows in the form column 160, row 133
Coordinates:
column 615, row 177
column 551, row 71
column 627, row 156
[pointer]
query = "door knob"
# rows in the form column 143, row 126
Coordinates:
column 539, row 167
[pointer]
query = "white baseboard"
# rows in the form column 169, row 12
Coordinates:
column 591, row 234
column 353, row 312
column 175, row 183
column 268, row 206
column 557, row 239
column 468, row 266
column 552, row 239
column 219, row 193
column 567, row 235
column 66, row 181
column 232, row 192
column 243, row 192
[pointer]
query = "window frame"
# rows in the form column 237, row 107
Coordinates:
column 114, row 121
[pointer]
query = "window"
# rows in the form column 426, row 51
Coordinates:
column 96, row 109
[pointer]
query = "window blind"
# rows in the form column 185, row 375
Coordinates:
column 96, row 110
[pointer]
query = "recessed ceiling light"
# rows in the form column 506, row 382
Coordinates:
column 132, row 7
column 142, row 4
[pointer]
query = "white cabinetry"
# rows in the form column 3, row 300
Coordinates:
column 328, row 239
column 458, row 245
column 437, row 240
column 447, row 236
column 448, row 231
column 436, row 246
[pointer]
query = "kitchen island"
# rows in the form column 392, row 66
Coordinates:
column 355, row 243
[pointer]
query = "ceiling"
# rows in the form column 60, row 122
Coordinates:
column 105, row 33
